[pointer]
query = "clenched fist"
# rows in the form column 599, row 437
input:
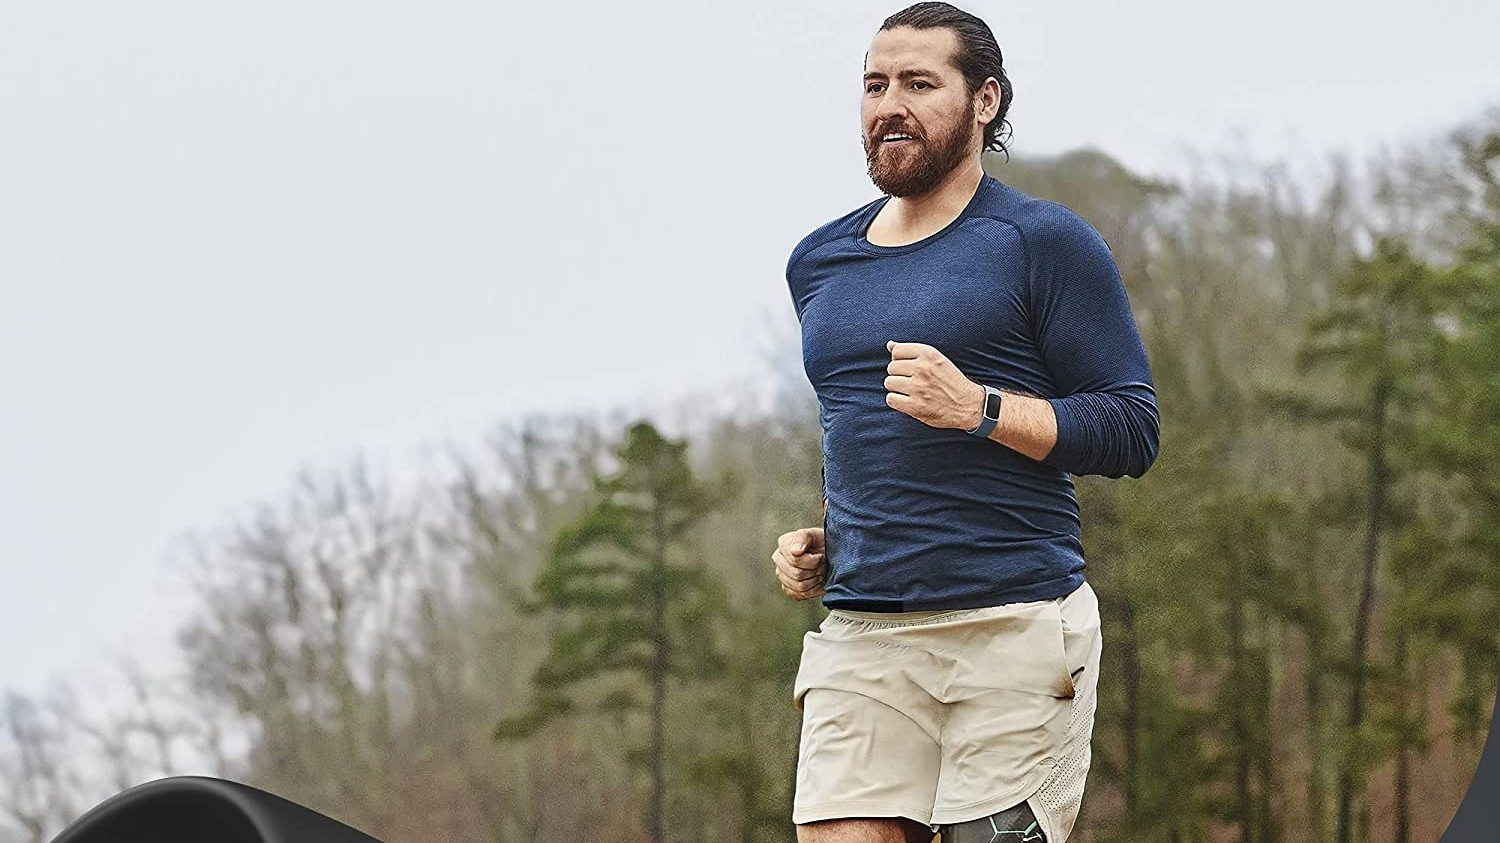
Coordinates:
column 800, row 566
column 924, row 384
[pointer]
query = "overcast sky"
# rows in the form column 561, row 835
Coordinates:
column 236, row 242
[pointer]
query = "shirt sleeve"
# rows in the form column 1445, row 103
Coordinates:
column 791, row 283
column 793, row 277
column 1107, row 420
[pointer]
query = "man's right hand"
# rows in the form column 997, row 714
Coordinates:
column 800, row 566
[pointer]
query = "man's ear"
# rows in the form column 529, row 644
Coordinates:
column 979, row 105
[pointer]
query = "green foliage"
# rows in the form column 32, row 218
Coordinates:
column 606, row 573
column 1452, row 572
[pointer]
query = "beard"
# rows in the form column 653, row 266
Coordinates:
column 919, row 165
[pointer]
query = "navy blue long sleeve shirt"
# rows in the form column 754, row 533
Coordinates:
column 1020, row 293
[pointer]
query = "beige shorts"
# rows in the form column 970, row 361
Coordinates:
column 949, row 716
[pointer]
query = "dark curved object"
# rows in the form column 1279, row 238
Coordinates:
column 200, row 809
column 1478, row 815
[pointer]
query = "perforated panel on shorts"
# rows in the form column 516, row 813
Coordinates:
column 1062, row 793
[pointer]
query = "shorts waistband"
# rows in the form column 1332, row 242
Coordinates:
column 899, row 618
column 925, row 615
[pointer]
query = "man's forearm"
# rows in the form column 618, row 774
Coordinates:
column 1026, row 425
column 1111, row 435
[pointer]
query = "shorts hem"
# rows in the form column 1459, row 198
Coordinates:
column 856, row 810
column 955, row 814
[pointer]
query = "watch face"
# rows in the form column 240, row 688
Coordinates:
column 992, row 405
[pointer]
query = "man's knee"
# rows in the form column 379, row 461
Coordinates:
column 1016, row 824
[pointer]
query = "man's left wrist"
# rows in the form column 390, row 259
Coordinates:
column 986, row 419
column 976, row 409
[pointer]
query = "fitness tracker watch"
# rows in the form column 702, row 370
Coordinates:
column 989, row 415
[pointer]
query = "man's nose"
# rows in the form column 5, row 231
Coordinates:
column 889, row 106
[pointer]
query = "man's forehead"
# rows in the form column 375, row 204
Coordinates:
column 906, row 49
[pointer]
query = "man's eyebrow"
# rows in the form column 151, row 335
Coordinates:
column 905, row 74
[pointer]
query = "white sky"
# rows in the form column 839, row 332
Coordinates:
column 237, row 242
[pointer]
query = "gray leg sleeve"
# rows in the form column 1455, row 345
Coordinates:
column 1013, row 825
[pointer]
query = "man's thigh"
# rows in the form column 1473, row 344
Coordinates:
column 866, row 830
column 1014, row 750
column 860, row 758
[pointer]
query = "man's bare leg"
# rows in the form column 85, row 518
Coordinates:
column 865, row 830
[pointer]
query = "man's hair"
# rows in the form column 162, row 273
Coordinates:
column 978, row 57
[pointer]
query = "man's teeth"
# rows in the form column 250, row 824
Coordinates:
column 897, row 137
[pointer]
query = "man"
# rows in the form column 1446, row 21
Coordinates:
column 971, row 346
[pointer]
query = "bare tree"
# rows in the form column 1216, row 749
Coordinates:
column 36, row 786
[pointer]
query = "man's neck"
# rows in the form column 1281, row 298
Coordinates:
column 918, row 216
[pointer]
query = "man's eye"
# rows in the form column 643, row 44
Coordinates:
column 872, row 87
column 920, row 82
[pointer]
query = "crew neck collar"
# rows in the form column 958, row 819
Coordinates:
column 860, row 240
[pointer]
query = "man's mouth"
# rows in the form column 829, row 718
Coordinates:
column 896, row 139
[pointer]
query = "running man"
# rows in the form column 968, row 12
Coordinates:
column 971, row 347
